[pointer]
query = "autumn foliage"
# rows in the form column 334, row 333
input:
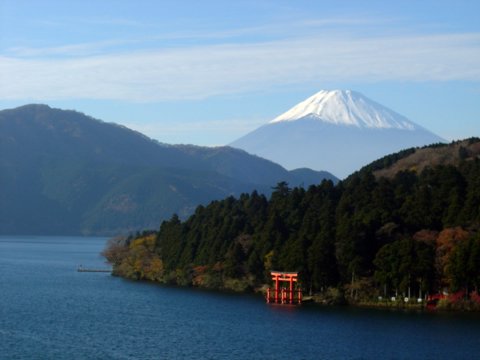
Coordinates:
column 406, row 236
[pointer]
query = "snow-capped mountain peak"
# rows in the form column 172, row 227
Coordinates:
column 336, row 130
column 346, row 107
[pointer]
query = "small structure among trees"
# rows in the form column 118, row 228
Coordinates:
column 282, row 295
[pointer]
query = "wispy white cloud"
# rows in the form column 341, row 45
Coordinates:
column 271, row 31
column 74, row 50
column 197, row 72
column 114, row 21
column 65, row 22
column 220, row 132
column 225, row 126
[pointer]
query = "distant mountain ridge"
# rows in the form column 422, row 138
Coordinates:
column 336, row 130
column 418, row 159
column 62, row 172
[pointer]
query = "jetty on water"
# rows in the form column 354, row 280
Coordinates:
column 83, row 269
column 283, row 295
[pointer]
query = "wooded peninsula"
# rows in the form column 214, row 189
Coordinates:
column 400, row 229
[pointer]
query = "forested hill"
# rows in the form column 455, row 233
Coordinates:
column 65, row 173
column 409, row 232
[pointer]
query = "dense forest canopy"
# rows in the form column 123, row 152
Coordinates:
column 411, row 233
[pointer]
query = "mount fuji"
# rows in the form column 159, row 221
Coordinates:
column 338, row 130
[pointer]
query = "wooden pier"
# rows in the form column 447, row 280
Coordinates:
column 82, row 269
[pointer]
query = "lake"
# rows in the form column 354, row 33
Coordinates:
column 48, row 310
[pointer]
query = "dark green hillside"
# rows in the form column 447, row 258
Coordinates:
column 366, row 237
column 62, row 172
column 40, row 133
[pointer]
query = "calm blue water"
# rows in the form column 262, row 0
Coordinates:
column 50, row 311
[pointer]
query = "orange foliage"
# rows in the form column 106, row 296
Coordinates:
column 138, row 260
column 446, row 241
column 199, row 273
column 427, row 236
column 218, row 266
column 148, row 242
column 449, row 237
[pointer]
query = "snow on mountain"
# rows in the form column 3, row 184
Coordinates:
column 339, row 131
column 346, row 107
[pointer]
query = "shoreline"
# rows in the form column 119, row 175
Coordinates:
column 315, row 300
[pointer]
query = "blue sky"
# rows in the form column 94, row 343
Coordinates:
column 208, row 72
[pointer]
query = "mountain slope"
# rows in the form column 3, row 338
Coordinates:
column 238, row 164
column 418, row 159
column 62, row 172
column 335, row 130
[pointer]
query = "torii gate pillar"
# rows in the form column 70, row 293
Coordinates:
column 282, row 295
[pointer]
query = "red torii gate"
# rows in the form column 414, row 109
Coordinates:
column 283, row 295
